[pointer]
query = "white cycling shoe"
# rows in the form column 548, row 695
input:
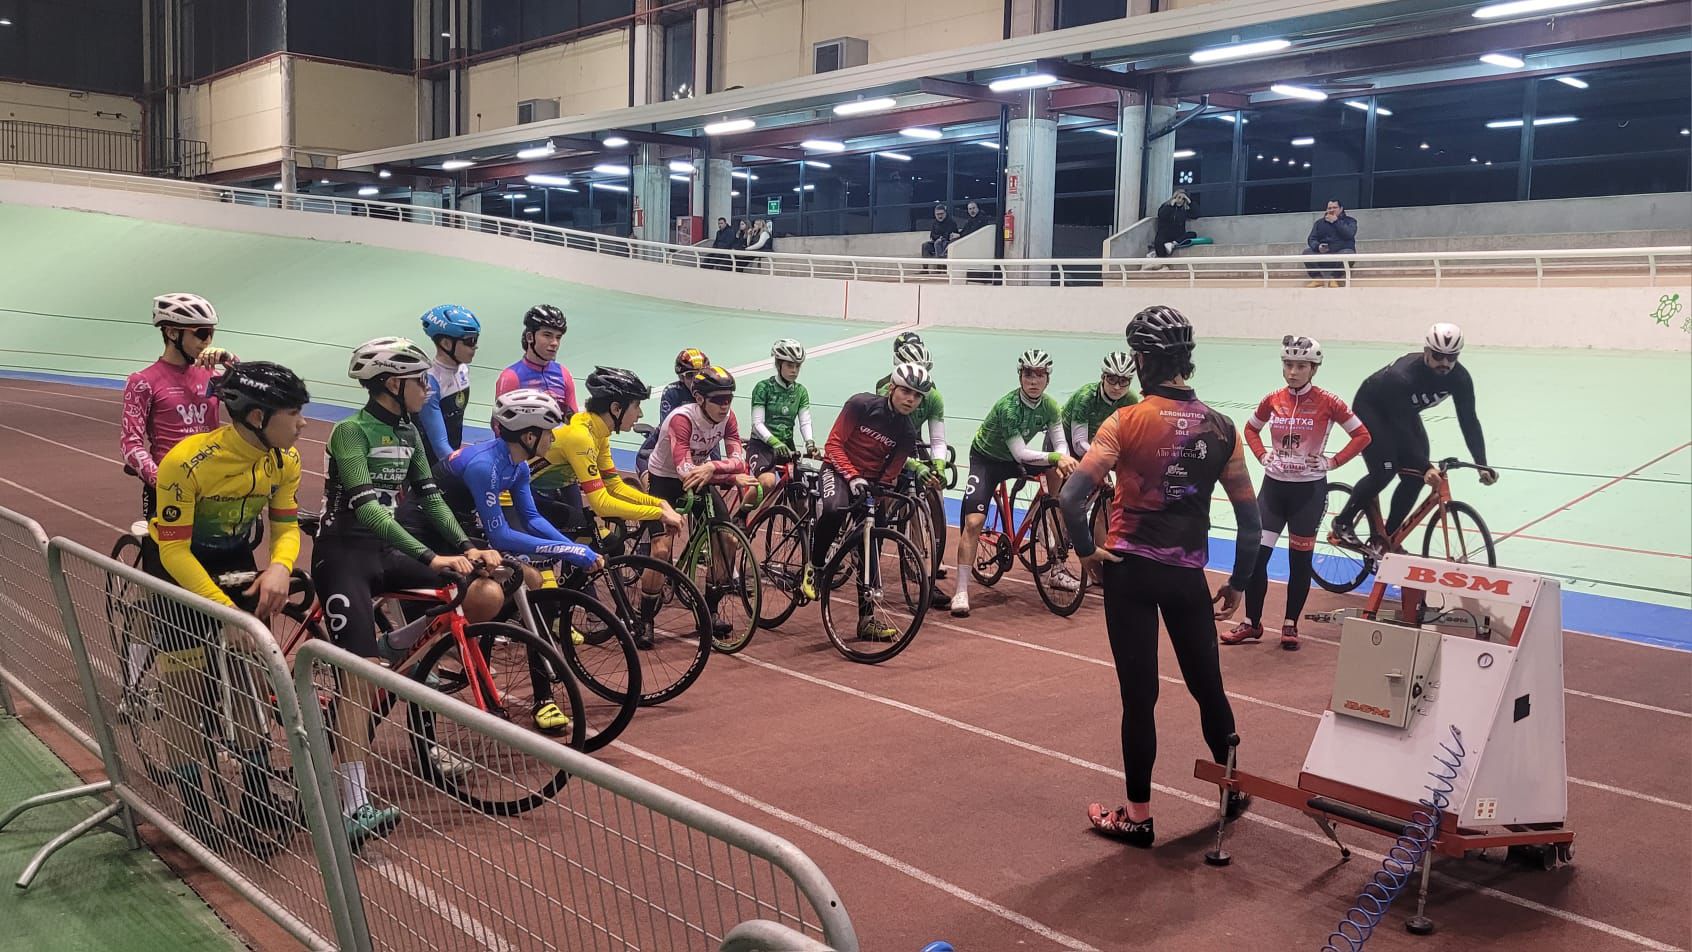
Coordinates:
column 960, row 605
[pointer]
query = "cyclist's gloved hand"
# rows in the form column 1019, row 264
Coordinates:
column 781, row 451
column 811, row 450
column 859, row 487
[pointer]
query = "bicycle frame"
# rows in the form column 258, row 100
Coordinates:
column 1432, row 504
column 1003, row 499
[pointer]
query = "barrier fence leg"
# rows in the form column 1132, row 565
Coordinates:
column 311, row 747
column 65, row 839
column 57, row 796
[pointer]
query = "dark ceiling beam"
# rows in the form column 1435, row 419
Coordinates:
column 1563, row 30
column 1088, row 75
column 972, row 91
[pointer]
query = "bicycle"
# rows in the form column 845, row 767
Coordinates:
column 717, row 560
column 1040, row 543
column 1455, row 533
column 784, row 535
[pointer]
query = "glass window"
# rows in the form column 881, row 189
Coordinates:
column 1086, row 162
column 1081, row 12
column 1613, row 175
column 927, row 174
column 540, row 18
column 374, row 32
column 499, row 23
column 975, row 174
column 1204, row 151
column 1634, row 109
column 600, row 11
column 678, row 59
column 1446, row 126
column 774, row 183
column 1304, row 139
column 1447, row 187
column 82, row 44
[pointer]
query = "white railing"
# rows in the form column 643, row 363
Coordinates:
column 1584, row 267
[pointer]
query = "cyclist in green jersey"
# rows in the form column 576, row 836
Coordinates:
column 781, row 410
column 361, row 551
column 1088, row 408
column 1002, row 451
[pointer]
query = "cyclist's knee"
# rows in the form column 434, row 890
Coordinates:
column 484, row 600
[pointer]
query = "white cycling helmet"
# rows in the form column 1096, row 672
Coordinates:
column 184, row 309
column 1445, row 338
column 387, row 356
column 519, row 410
column 913, row 352
column 1117, row 364
column 912, row 376
column 789, row 350
column 1034, row 359
column 1298, row 347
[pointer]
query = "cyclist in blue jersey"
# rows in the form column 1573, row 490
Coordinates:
column 456, row 332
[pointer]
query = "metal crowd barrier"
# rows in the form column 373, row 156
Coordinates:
column 199, row 723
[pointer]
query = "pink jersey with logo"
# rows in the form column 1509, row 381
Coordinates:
column 162, row 405
column 686, row 440
column 1298, row 425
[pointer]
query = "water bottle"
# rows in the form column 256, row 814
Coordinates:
column 394, row 645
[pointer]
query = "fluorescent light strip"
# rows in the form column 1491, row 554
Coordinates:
column 611, row 169
column 686, row 167
column 1518, row 7
column 1184, row 153
column 859, row 107
column 1306, row 140
column 727, row 126
column 1363, row 106
column 1504, row 60
column 551, row 181
column 1542, row 121
column 1299, row 92
column 813, row 163
column 895, row 156
column 384, row 174
column 1101, row 130
column 515, row 196
column 920, row 133
column 1573, row 83
column 453, row 165
column 1012, row 84
column 609, row 187
column 538, row 152
column 615, row 142
column 991, row 145
column 532, row 210
column 822, row 145
column 1216, row 54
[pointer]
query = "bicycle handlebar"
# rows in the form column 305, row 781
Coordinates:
column 461, row 586
column 1452, row 462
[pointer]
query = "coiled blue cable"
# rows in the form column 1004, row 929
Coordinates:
column 1405, row 855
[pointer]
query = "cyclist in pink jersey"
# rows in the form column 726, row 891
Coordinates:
column 544, row 327
column 173, row 398
column 1295, row 479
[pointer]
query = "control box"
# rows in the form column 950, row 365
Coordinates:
column 1384, row 670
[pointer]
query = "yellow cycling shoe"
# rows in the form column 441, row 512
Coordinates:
column 808, row 584
column 576, row 636
column 550, row 720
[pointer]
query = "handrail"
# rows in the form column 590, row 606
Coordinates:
column 1395, row 267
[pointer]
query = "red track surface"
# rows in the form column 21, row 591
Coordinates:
column 943, row 793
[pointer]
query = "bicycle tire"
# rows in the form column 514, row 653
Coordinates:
column 425, row 728
column 742, row 597
column 782, row 551
column 916, row 606
column 992, row 558
column 1335, row 568
column 937, row 518
column 1456, row 513
column 124, row 616
column 678, row 625
column 1049, row 534
column 607, row 661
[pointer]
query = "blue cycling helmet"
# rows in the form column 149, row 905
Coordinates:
column 450, row 320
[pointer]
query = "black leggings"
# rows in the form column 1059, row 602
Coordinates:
column 1298, row 508
column 1398, row 446
column 1136, row 590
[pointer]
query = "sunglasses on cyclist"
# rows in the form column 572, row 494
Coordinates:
column 470, row 341
column 1115, row 381
column 203, row 333
column 721, row 399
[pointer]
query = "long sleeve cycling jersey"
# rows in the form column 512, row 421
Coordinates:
column 931, row 411
column 581, row 454
column 870, row 440
column 374, row 456
column 779, row 409
column 486, row 471
column 1298, row 422
column 442, row 416
column 213, row 490
column 1085, row 411
column 688, row 437
column 552, row 378
column 1012, row 422
column 162, row 405
column 1408, row 386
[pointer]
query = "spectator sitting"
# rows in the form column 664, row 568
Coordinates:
column 973, row 221
column 724, row 241
column 942, row 231
column 759, row 238
column 1335, row 233
column 1172, row 217
column 742, row 234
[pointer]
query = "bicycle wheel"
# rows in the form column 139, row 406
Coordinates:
column 876, row 614
column 496, row 782
column 992, row 557
column 1336, row 568
column 726, row 571
column 126, row 623
column 606, row 660
column 666, row 615
column 937, row 520
column 1459, row 535
column 782, row 553
column 1058, row 575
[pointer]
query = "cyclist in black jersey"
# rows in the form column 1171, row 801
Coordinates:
column 1390, row 403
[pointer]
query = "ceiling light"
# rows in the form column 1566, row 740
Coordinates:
column 1306, row 140
column 1517, row 7
column 681, row 178
column 1260, row 155
column 453, row 165
column 277, row 187
column 532, row 210
column 1686, row 132
column 614, row 142
column 538, row 152
column 609, row 187
column 384, row 174
column 1473, row 159
column 323, row 181
column 1184, row 153
column 446, row 36
column 679, row 166
column 727, row 126
column 807, row 188
column 1216, row 54
column 991, row 145
column 1422, row 146
column 1307, row 165
column 1358, row 104
column 822, row 145
column 1504, row 59
column 1555, row 120
column 920, row 133
column 1226, row 117
column 611, row 169
column 744, row 175
column 859, row 107
column 1011, row 84
column 1101, row 130
column 1299, row 92
column 813, row 163
column 552, row 181
column 368, row 191
column 1570, row 81
column 895, row 156
column 734, row 195
column 515, row 196
column 1488, row 161
column 5, row 21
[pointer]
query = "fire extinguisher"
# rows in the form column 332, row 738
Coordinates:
column 1010, row 225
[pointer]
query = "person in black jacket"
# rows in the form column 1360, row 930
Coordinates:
column 724, row 240
column 1335, row 233
column 1172, row 218
column 942, row 231
column 973, row 220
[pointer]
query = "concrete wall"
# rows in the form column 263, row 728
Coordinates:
column 26, row 102
column 587, row 75
column 347, row 109
column 238, row 115
column 1615, row 318
column 770, row 40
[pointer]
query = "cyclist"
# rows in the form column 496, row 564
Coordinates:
column 172, row 397
column 478, row 477
column 868, row 445
column 1168, row 452
column 544, row 327
column 361, row 550
column 690, row 361
column 1088, row 407
column 781, row 406
column 1001, row 451
column 214, row 489
column 1295, row 479
column 1390, row 402
column 455, row 332
column 932, row 412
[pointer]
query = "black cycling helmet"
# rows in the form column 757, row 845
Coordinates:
column 908, row 337
column 1160, row 329
column 263, row 386
column 545, row 316
column 617, row 385
column 711, row 380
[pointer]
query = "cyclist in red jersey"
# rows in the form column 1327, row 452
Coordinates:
column 1168, row 452
column 1295, row 479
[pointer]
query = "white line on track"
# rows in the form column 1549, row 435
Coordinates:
column 478, row 932
column 840, row 839
column 832, row 347
column 77, row 449
column 111, row 403
column 1208, row 803
column 1626, row 703
column 51, row 501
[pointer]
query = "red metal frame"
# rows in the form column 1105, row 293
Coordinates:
column 1007, row 514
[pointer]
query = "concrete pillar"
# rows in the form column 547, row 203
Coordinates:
column 1030, row 166
column 1159, row 161
column 648, row 39
column 1144, row 173
column 650, row 191
column 719, row 182
column 707, row 56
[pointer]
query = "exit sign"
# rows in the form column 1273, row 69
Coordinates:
column 773, row 206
